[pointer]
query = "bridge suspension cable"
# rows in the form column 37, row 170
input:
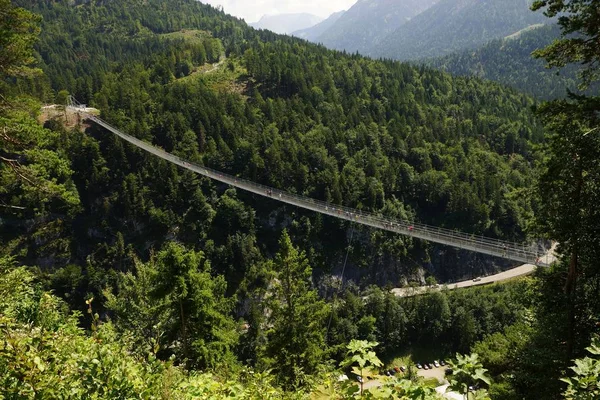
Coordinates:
column 527, row 253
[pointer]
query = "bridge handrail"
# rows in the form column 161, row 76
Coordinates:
column 504, row 249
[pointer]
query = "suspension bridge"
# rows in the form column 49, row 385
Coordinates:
column 521, row 252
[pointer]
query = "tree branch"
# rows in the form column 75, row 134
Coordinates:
column 15, row 166
column 12, row 207
column 5, row 136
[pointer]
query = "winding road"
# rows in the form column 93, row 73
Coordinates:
column 523, row 270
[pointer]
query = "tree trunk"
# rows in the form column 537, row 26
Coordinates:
column 183, row 332
column 570, row 290
column 570, row 284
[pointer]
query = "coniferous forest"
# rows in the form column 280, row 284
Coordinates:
column 509, row 61
column 123, row 276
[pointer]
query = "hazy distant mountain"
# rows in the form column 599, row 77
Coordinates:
column 369, row 21
column 509, row 61
column 453, row 25
column 317, row 30
column 286, row 23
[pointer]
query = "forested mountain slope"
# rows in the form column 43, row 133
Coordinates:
column 509, row 61
column 312, row 33
column 452, row 25
column 146, row 281
column 368, row 21
column 387, row 137
column 286, row 23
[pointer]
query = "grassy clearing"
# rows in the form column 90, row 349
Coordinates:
column 518, row 34
column 227, row 76
column 417, row 355
column 192, row 35
column 431, row 382
column 400, row 361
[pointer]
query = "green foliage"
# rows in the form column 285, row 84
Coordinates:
column 508, row 61
column 19, row 29
column 173, row 303
column 409, row 390
column 585, row 385
column 568, row 191
column 362, row 359
column 61, row 98
column 467, row 374
column 37, row 192
column 136, row 310
column 565, row 304
column 38, row 196
column 571, row 166
column 44, row 354
column 382, row 136
column 296, row 329
column 378, row 135
column 17, row 291
column 440, row 323
column 500, row 351
column 35, row 173
column 579, row 17
column 364, row 363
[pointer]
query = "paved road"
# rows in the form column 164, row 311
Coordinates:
column 523, row 270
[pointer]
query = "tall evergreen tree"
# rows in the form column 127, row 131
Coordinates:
column 175, row 295
column 296, row 338
column 569, row 187
column 578, row 17
column 19, row 30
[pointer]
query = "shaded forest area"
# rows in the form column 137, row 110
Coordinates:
column 510, row 62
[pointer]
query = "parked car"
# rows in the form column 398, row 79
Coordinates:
column 398, row 369
column 430, row 365
column 425, row 366
column 477, row 279
column 419, row 366
column 442, row 363
column 403, row 368
column 359, row 378
column 436, row 363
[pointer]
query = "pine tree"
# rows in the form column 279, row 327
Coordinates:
column 19, row 30
column 568, row 188
column 296, row 337
column 579, row 17
column 174, row 295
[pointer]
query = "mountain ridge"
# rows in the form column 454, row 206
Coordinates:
column 509, row 61
column 454, row 25
column 368, row 21
column 286, row 23
column 313, row 32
